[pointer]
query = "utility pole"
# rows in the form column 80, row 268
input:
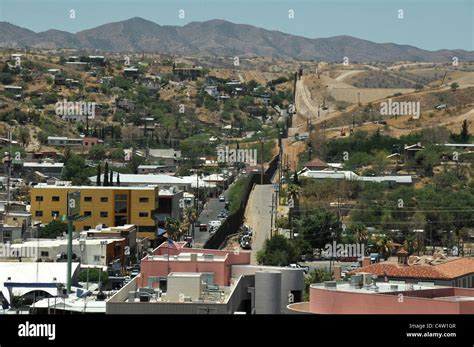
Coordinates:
column 69, row 253
column 197, row 191
column 271, row 216
column 9, row 172
column 261, row 161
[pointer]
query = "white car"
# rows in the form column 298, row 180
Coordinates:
column 214, row 224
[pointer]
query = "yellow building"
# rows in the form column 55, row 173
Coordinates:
column 111, row 206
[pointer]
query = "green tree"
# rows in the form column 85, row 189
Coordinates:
column 111, row 177
column 359, row 232
column 106, row 174
column 99, row 173
column 319, row 228
column 277, row 251
column 464, row 135
column 117, row 154
column 454, row 86
column 93, row 275
column 173, row 227
column 75, row 169
column 24, row 136
column 384, row 246
column 54, row 229
column 97, row 152
column 428, row 158
column 316, row 276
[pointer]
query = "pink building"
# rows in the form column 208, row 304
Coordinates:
column 182, row 259
column 386, row 298
column 89, row 142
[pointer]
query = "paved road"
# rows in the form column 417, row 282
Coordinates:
column 258, row 216
column 214, row 206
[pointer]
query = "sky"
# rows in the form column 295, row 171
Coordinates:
column 427, row 24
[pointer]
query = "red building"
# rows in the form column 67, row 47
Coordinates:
column 169, row 258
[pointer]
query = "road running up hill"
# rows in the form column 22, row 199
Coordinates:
column 258, row 216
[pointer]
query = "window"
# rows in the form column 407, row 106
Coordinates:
column 87, row 213
column 143, row 200
column 120, row 196
column 88, row 199
column 96, row 257
column 142, row 214
column 39, row 214
column 104, row 199
column 120, row 207
column 120, row 220
column 44, row 253
column 7, row 236
column 55, row 198
column 39, row 198
column 104, row 214
column 54, row 214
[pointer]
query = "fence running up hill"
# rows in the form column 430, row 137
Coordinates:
column 232, row 224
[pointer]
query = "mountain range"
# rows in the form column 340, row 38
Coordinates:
column 220, row 38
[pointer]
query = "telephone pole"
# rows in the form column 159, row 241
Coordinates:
column 261, row 161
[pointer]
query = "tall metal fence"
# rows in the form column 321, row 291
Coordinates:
column 232, row 224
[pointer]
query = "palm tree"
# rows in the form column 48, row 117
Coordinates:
column 360, row 233
column 411, row 244
column 384, row 246
column 173, row 226
column 294, row 191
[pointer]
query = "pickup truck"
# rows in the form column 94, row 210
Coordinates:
column 298, row 266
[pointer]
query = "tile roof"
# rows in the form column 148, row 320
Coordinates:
column 316, row 162
column 448, row 270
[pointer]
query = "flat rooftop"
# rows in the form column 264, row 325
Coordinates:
column 185, row 257
column 383, row 287
column 49, row 186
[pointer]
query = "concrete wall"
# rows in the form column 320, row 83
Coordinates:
column 324, row 301
column 291, row 279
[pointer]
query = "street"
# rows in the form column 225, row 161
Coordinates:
column 214, row 206
column 258, row 216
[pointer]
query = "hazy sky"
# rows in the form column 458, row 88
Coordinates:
column 428, row 24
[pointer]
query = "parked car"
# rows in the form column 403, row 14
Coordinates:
column 227, row 205
column 245, row 242
column 202, row 227
column 374, row 257
column 222, row 215
column 221, row 198
column 214, row 223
